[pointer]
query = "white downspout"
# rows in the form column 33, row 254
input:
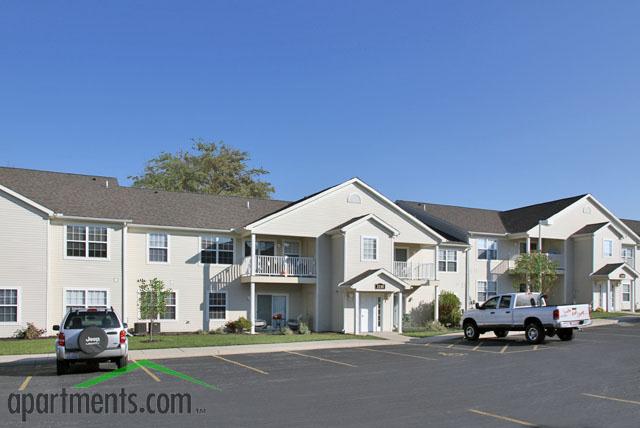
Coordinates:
column 124, row 273
column 252, row 316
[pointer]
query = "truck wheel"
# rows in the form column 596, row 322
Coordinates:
column 501, row 333
column 121, row 362
column 471, row 331
column 62, row 367
column 565, row 334
column 534, row 333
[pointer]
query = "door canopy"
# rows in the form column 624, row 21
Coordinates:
column 376, row 280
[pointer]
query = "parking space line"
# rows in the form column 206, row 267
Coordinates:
column 397, row 353
column 320, row 358
column 504, row 418
column 535, row 347
column 147, row 371
column 24, row 384
column 475, row 348
column 621, row 400
column 450, row 346
column 504, row 348
column 241, row 365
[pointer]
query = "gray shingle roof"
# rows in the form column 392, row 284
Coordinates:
column 607, row 269
column 89, row 196
column 633, row 225
column 463, row 219
column 591, row 228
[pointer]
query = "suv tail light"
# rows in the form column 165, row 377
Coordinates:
column 123, row 337
column 556, row 314
column 61, row 339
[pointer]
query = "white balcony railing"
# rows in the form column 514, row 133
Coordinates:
column 558, row 258
column 281, row 266
column 414, row 271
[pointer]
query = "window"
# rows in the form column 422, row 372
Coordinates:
column 8, row 305
column 522, row 288
column 169, row 307
column 487, row 249
column 627, row 255
column 85, row 299
column 447, row 260
column 216, row 250
column 291, row 248
column 528, row 300
column 607, row 248
column 491, row 303
column 83, row 320
column 217, row 306
column 626, row 292
column 533, row 246
column 505, row 302
column 158, row 247
column 486, row 289
column 400, row 254
column 369, row 248
column 87, row 241
column 263, row 248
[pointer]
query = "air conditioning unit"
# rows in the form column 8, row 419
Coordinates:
column 140, row 328
column 156, row 327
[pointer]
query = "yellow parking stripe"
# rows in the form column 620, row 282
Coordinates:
column 477, row 346
column 397, row 353
column 450, row 346
column 24, row 384
column 504, row 348
column 621, row 400
column 241, row 365
column 147, row 371
column 504, row 418
column 321, row 359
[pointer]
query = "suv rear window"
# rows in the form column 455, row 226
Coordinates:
column 83, row 319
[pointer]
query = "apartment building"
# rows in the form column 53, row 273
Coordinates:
column 596, row 252
column 344, row 259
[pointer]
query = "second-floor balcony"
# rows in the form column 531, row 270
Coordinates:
column 284, row 266
column 414, row 271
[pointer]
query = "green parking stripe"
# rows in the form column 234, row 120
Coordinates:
column 166, row 370
column 105, row 377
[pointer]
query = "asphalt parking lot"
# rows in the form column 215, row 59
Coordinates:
column 591, row 381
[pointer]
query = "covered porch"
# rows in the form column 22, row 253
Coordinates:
column 614, row 288
column 373, row 302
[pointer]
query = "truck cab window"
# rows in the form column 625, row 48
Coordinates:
column 505, row 302
column 491, row 303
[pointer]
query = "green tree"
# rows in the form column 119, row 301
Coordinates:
column 212, row 167
column 449, row 310
column 536, row 270
column 152, row 297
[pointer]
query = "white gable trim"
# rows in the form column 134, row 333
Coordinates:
column 624, row 267
column 417, row 223
column 378, row 272
column 26, row 200
column 372, row 217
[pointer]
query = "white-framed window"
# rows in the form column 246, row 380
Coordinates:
column 170, row 307
column 9, row 306
column 486, row 290
column 77, row 298
column 216, row 250
column 88, row 242
column 627, row 256
column 263, row 248
column 607, row 248
column 447, row 261
column 217, row 305
column 369, row 248
column 157, row 247
column 487, row 249
column 291, row 248
column 626, row 292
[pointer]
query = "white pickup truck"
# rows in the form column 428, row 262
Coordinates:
column 526, row 312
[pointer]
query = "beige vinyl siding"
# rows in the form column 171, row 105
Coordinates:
column 23, row 261
column 69, row 273
column 354, row 238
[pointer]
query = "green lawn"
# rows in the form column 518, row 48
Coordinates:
column 45, row 346
column 600, row 315
column 429, row 333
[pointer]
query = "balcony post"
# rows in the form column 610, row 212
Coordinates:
column 436, row 304
column 253, row 308
column 400, row 312
column 435, row 264
column 356, row 316
column 253, row 254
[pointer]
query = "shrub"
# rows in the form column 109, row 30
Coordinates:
column 304, row 328
column 435, row 326
column 449, row 309
column 219, row 330
column 599, row 309
column 286, row 331
column 420, row 315
column 29, row 332
column 239, row 325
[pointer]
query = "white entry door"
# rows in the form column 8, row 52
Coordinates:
column 368, row 314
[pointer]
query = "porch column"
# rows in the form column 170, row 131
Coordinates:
column 253, row 254
column 528, row 244
column 435, row 264
column 356, row 315
column 253, row 308
column 633, row 295
column 400, row 312
column 436, row 310
column 609, row 295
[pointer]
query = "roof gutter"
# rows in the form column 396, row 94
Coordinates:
column 60, row 216
column 487, row 234
column 180, row 228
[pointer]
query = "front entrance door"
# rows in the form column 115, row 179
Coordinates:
column 368, row 313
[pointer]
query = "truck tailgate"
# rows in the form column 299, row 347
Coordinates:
column 573, row 315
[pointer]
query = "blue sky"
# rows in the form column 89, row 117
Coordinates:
column 488, row 104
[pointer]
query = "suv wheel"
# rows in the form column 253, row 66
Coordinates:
column 534, row 333
column 62, row 367
column 471, row 331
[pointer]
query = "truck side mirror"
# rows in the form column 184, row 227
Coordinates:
column 478, row 306
column 56, row 328
column 125, row 325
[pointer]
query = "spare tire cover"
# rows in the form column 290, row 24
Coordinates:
column 92, row 340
